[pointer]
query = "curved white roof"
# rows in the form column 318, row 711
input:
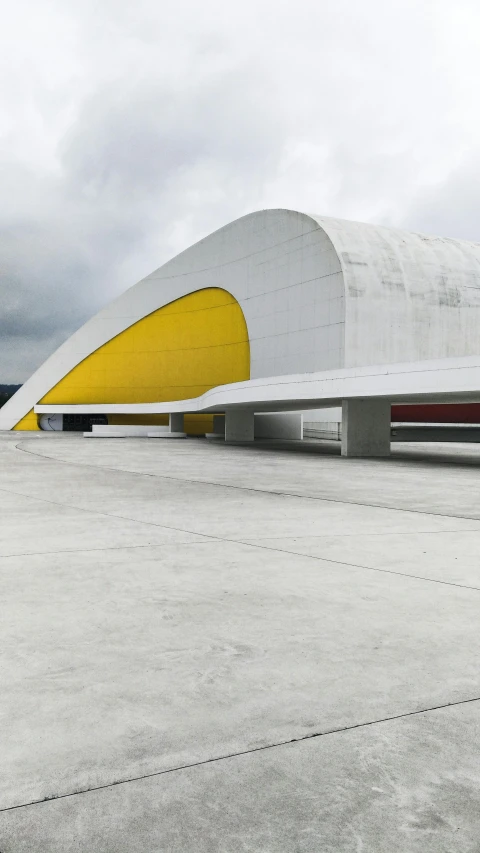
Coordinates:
column 317, row 294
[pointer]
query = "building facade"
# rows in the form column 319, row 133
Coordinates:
column 276, row 292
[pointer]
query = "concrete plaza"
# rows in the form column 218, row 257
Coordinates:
column 212, row 649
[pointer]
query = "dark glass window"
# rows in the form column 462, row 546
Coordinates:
column 82, row 423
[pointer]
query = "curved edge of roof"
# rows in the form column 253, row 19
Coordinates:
column 108, row 322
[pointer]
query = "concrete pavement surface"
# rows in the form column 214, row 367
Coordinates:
column 214, row 649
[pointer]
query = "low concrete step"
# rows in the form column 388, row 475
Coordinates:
column 106, row 435
column 167, row 434
column 126, row 429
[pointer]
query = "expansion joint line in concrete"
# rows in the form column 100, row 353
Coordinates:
column 358, row 565
column 233, row 487
column 210, row 537
column 109, row 548
column 232, row 755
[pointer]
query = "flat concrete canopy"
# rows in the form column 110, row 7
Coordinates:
column 436, row 381
column 218, row 649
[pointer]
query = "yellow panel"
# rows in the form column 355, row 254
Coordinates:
column 29, row 422
column 177, row 352
column 194, row 424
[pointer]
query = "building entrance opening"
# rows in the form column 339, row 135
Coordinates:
column 82, row 423
column 71, row 423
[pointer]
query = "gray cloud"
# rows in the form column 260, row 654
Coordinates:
column 129, row 131
column 451, row 207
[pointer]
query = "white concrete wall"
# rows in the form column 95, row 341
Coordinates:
column 408, row 296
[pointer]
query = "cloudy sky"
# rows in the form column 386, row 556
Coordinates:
column 131, row 128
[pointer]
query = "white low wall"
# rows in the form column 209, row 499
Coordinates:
column 330, row 430
column 126, row 429
column 287, row 426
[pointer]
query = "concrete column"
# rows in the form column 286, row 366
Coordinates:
column 366, row 427
column 175, row 422
column 239, row 425
column 219, row 425
column 218, row 428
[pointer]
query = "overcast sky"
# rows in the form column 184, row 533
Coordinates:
column 131, row 128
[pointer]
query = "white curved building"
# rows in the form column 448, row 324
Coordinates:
column 274, row 293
